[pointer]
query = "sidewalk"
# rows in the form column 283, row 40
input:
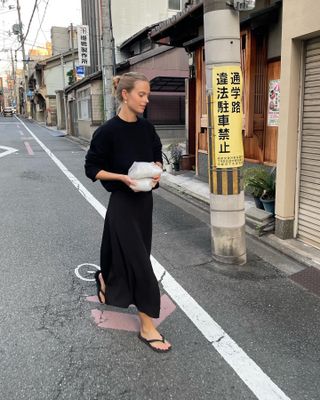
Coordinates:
column 186, row 184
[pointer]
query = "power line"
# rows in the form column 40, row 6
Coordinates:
column 29, row 24
column 40, row 22
column 33, row 11
column 40, row 27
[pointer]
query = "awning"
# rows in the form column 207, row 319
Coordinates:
column 167, row 84
column 180, row 28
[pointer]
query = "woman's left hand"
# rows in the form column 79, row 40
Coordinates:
column 155, row 180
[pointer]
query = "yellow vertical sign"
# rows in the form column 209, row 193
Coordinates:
column 227, row 116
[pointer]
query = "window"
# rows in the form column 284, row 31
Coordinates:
column 84, row 104
column 145, row 45
column 174, row 5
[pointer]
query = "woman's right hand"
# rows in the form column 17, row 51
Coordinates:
column 128, row 181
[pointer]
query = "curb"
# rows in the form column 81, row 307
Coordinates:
column 192, row 197
column 292, row 248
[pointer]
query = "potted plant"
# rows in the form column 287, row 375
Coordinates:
column 269, row 192
column 261, row 183
column 176, row 153
column 168, row 166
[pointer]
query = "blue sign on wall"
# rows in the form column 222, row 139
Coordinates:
column 80, row 71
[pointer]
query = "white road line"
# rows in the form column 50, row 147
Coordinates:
column 21, row 133
column 251, row 374
column 29, row 148
column 8, row 150
column 83, row 191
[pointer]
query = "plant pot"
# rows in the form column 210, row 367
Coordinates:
column 258, row 202
column 176, row 166
column 168, row 168
column 187, row 161
column 268, row 205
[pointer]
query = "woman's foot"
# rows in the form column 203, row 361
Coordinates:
column 101, row 287
column 155, row 340
column 149, row 335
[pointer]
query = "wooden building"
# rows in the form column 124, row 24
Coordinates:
column 260, row 61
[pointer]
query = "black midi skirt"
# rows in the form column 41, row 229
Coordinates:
column 125, row 253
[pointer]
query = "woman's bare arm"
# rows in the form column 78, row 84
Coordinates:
column 111, row 176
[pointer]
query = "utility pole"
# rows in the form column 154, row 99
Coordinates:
column 72, row 48
column 63, row 124
column 14, row 80
column 23, row 60
column 108, row 62
column 224, row 98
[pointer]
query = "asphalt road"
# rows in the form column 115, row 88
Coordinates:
column 51, row 347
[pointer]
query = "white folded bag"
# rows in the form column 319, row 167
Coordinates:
column 142, row 185
column 140, row 170
column 142, row 173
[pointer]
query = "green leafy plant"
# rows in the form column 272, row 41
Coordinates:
column 175, row 152
column 71, row 77
column 165, row 157
column 260, row 182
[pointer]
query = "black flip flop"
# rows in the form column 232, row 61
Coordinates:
column 149, row 343
column 99, row 290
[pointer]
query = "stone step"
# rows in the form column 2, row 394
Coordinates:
column 258, row 215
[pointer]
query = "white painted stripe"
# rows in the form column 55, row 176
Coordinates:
column 21, row 133
column 8, row 150
column 29, row 149
column 82, row 190
column 251, row 374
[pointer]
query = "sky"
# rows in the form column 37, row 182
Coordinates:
column 53, row 13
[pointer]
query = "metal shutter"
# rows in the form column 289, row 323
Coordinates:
column 309, row 191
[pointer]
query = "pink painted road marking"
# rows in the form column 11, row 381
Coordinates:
column 29, row 149
column 128, row 322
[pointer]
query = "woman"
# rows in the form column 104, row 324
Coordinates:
column 126, row 275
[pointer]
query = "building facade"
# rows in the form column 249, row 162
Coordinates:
column 167, row 70
column 260, row 32
column 85, row 106
column 48, row 77
column 298, row 172
column 128, row 17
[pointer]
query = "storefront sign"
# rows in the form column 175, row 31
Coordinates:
column 80, row 72
column 227, row 117
column 83, row 45
column 273, row 102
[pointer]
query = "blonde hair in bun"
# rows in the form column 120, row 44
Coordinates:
column 115, row 82
column 127, row 82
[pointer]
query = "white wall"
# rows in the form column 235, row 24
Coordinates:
column 53, row 78
column 130, row 16
column 300, row 21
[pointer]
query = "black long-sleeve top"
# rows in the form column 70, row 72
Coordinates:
column 116, row 144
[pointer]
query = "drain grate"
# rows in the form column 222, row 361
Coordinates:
column 309, row 278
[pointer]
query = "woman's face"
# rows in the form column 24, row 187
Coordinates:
column 137, row 99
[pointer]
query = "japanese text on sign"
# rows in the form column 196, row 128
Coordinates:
column 227, row 116
column 83, row 45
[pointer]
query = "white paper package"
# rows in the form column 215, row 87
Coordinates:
column 142, row 185
column 140, row 170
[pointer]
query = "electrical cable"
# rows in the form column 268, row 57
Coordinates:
column 33, row 11
column 40, row 22
column 29, row 24
column 43, row 16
